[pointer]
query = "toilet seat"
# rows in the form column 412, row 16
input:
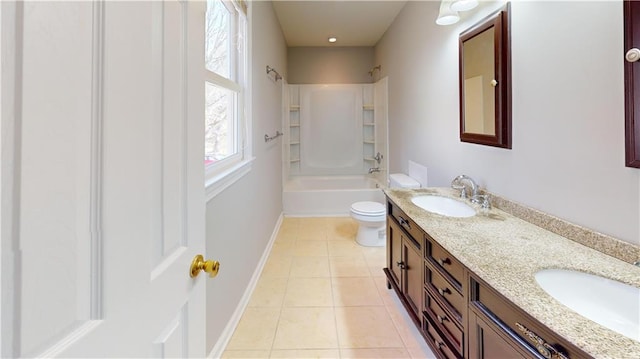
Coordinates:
column 368, row 208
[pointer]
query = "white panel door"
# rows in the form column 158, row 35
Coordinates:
column 102, row 179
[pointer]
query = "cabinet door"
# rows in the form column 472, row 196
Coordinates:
column 412, row 283
column 485, row 342
column 394, row 250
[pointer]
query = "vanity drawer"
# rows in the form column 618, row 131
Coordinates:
column 439, row 345
column 518, row 325
column 445, row 292
column 448, row 326
column 406, row 223
column 440, row 258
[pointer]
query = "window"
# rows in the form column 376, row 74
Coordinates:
column 226, row 128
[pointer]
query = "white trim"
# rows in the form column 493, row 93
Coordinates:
column 225, row 337
column 225, row 172
column 220, row 181
column 10, row 122
column 78, row 333
column 95, row 207
column 221, row 81
column 1, row 117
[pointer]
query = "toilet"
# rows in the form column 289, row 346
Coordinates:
column 372, row 216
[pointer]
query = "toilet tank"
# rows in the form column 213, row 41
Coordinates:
column 401, row 180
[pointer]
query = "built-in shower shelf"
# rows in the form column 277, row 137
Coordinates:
column 294, row 125
column 370, row 141
column 294, row 160
column 294, row 143
column 294, row 107
column 368, row 107
column 368, row 124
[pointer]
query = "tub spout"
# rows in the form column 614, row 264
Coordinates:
column 374, row 169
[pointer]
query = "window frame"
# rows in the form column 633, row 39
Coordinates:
column 223, row 173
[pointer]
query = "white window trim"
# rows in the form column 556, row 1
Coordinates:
column 218, row 180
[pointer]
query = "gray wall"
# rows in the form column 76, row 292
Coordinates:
column 330, row 65
column 240, row 219
column 568, row 110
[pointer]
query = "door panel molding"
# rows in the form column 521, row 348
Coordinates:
column 171, row 343
column 97, row 119
column 39, row 172
column 169, row 63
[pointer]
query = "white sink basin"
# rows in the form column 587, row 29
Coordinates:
column 444, row 206
column 610, row 303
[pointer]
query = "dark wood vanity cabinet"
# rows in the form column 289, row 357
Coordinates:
column 497, row 324
column 404, row 265
column 445, row 304
column 394, row 252
column 459, row 315
column 428, row 281
column 486, row 341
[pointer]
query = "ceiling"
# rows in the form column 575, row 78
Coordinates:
column 354, row 23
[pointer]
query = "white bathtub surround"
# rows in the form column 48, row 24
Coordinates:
column 336, row 129
column 331, row 131
column 335, row 147
column 306, row 196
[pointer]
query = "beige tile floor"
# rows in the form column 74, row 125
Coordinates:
column 321, row 295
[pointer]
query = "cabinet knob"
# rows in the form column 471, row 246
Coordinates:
column 443, row 291
column 442, row 319
column 444, row 261
column 401, row 265
column 404, row 222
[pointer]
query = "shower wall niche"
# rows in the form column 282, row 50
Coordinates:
column 335, row 129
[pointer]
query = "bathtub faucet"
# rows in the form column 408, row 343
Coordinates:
column 374, row 169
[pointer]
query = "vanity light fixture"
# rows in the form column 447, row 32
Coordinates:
column 446, row 15
column 463, row 5
column 333, row 39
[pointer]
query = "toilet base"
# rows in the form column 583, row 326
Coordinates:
column 372, row 236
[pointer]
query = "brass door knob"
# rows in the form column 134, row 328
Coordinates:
column 199, row 264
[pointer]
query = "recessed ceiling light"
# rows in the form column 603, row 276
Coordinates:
column 333, row 39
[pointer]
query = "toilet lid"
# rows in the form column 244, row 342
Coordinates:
column 368, row 208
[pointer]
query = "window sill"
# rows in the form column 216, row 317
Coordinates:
column 224, row 179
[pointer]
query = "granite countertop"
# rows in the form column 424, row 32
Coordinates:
column 506, row 252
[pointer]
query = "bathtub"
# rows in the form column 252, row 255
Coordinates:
column 327, row 195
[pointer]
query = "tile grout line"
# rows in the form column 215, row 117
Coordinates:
column 286, row 287
column 333, row 282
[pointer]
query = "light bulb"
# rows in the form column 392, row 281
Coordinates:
column 463, row 5
column 446, row 16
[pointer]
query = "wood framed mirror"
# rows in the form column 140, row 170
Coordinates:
column 485, row 81
column 632, row 82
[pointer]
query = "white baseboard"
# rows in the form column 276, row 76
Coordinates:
column 226, row 334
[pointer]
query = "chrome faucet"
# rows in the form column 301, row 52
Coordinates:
column 374, row 169
column 482, row 200
column 457, row 183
